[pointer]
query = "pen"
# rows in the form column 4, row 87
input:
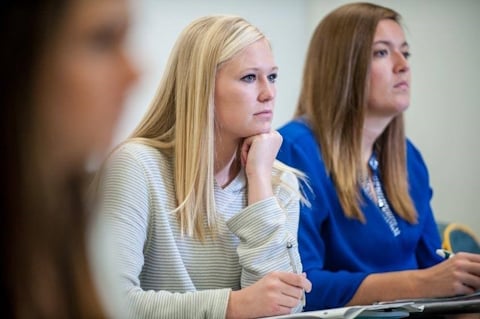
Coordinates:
column 444, row 253
column 294, row 266
column 292, row 259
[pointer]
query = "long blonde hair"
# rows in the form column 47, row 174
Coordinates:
column 333, row 100
column 180, row 120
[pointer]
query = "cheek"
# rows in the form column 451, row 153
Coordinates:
column 89, row 102
column 374, row 80
column 226, row 102
column 376, row 85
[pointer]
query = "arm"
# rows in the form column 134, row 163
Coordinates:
column 264, row 235
column 339, row 287
column 263, row 229
column 266, row 227
column 269, row 223
column 435, row 278
column 456, row 276
column 127, row 210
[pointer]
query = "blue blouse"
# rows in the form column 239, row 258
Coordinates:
column 337, row 252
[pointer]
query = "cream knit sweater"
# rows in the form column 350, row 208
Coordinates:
column 165, row 275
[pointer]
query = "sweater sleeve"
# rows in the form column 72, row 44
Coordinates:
column 268, row 235
column 125, row 208
column 329, row 288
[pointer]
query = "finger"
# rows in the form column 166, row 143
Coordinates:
column 472, row 281
column 244, row 152
column 470, row 256
column 279, row 310
column 463, row 263
column 307, row 284
column 293, row 291
column 292, row 279
column 286, row 300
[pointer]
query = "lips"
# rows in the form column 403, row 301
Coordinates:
column 264, row 112
column 401, row 85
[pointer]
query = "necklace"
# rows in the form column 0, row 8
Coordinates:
column 367, row 187
column 373, row 189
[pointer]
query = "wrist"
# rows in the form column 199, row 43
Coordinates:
column 231, row 311
column 417, row 281
column 234, row 306
column 259, row 188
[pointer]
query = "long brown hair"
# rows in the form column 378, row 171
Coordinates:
column 45, row 271
column 333, row 100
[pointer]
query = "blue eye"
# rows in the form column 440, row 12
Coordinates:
column 249, row 78
column 273, row 77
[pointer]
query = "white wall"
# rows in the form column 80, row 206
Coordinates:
column 444, row 40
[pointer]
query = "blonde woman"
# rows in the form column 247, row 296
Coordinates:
column 205, row 218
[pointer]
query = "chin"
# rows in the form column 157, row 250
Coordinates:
column 265, row 130
column 402, row 107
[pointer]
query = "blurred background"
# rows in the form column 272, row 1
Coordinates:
column 442, row 120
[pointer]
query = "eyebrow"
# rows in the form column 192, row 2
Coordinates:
column 273, row 69
column 389, row 43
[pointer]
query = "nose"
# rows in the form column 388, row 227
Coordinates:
column 401, row 63
column 267, row 91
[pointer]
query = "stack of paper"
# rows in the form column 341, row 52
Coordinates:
column 390, row 310
column 446, row 305
column 397, row 309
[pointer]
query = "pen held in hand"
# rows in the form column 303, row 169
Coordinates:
column 294, row 266
column 291, row 257
column 445, row 254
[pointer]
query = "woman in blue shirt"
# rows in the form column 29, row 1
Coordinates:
column 370, row 233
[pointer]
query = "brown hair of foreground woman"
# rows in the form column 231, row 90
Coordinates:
column 64, row 77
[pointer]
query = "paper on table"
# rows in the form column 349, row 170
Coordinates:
column 392, row 310
column 475, row 295
column 447, row 305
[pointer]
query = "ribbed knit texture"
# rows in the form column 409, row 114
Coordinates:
column 164, row 275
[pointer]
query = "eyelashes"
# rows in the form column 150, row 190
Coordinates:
column 384, row 52
column 273, row 77
column 250, row 78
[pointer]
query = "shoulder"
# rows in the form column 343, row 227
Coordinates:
column 138, row 152
column 298, row 141
column 417, row 168
column 415, row 159
column 412, row 150
column 295, row 130
column 300, row 149
column 139, row 170
column 134, row 159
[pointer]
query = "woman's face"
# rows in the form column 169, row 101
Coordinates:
column 245, row 92
column 84, row 79
column 389, row 83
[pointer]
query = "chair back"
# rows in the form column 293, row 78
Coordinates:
column 458, row 237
